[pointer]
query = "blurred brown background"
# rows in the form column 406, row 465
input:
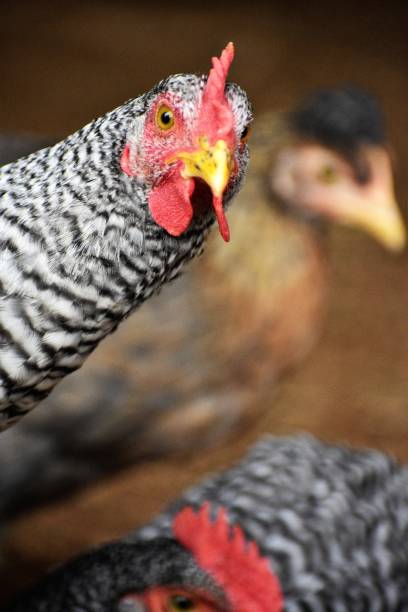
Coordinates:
column 64, row 63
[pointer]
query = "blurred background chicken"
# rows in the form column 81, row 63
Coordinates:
column 64, row 64
column 203, row 358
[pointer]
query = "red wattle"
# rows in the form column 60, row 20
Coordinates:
column 170, row 203
column 221, row 218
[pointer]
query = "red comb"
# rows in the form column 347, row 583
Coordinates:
column 215, row 86
column 234, row 563
column 216, row 118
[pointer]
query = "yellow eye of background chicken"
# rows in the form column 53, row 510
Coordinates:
column 327, row 175
column 164, row 117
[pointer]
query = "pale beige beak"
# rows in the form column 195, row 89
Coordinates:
column 377, row 213
column 383, row 220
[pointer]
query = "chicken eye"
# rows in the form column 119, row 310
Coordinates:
column 164, row 117
column 245, row 134
column 181, row 602
column 327, row 175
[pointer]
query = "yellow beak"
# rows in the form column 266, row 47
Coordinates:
column 374, row 209
column 212, row 164
column 383, row 220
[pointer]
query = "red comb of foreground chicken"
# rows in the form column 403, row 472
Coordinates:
column 240, row 579
column 93, row 226
column 235, row 563
column 207, row 156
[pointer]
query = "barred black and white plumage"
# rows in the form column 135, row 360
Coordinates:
column 332, row 522
column 80, row 249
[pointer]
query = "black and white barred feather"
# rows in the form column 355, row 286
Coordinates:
column 79, row 250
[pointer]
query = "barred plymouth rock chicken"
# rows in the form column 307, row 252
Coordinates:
column 205, row 355
column 297, row 525
column 94, row 225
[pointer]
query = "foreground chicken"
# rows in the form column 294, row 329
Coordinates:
column 94, row 225
column 204, row 356
column 331, row 525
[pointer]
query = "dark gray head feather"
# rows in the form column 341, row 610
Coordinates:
column 343, row 119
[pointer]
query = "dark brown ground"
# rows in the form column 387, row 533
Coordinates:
column 62, row 66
